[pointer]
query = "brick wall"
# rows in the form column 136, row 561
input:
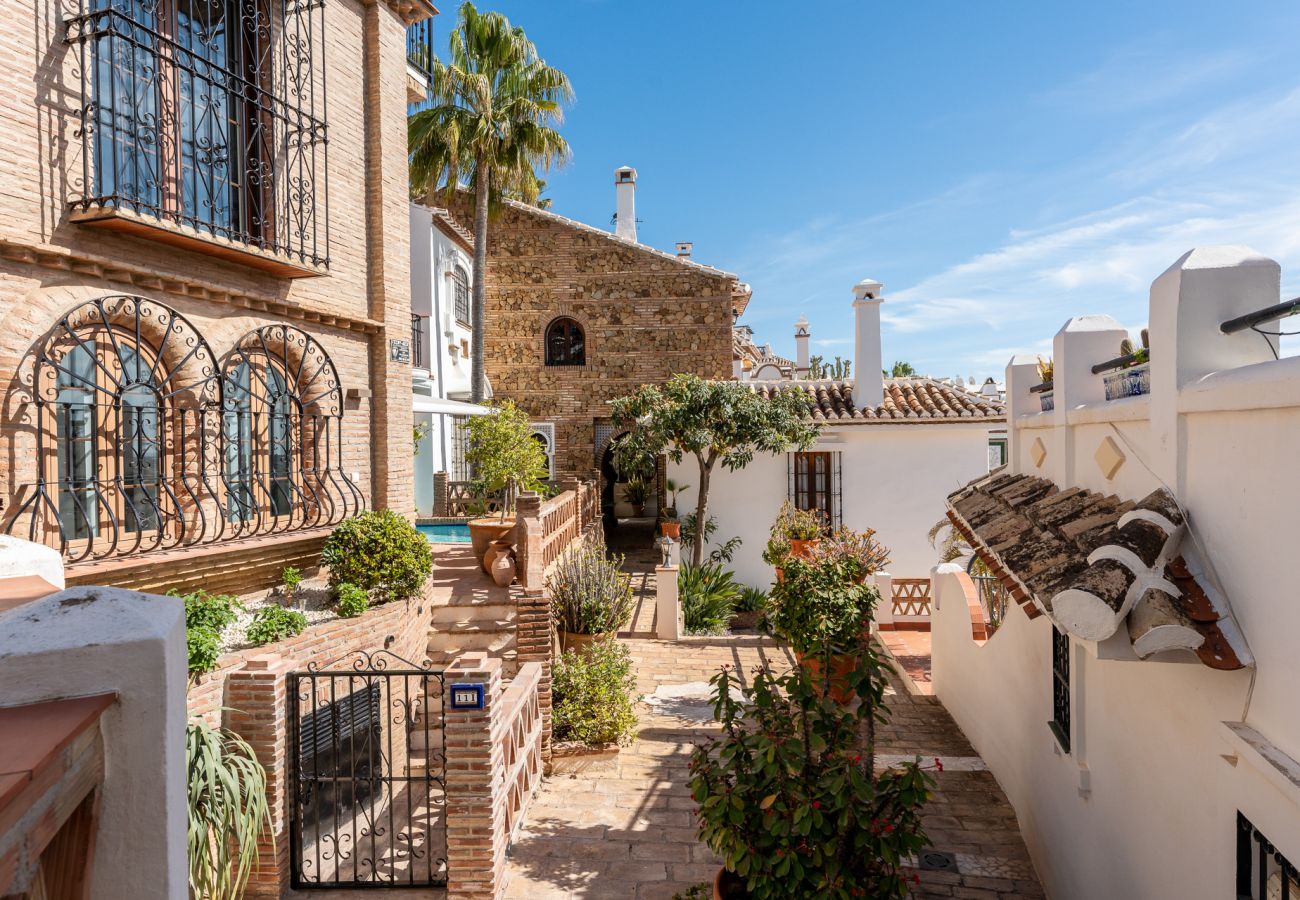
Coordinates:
column 49, row 264
column 645, row 318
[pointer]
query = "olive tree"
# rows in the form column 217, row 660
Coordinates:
column 717, row 422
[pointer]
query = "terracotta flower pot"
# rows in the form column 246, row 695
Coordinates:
column 582, row 643
column 671, row 529
column 803, row 549
column 842, row 668
column 482, row 532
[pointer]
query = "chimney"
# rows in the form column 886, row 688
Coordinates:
column 868, row 381
column 801, row 336
column 684, row 249
column 625, row 202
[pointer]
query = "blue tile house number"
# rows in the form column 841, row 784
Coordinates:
column 467, row 696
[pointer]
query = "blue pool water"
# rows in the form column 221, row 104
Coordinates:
column 445, row 534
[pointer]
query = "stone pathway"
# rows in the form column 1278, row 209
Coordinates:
column 623, row 826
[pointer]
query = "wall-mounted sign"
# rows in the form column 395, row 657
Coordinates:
column 467, row 696
column 399, row 351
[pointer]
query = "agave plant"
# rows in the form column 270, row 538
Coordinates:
column 227, row 810
column 709, row 594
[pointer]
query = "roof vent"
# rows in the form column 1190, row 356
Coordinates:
column 684, row 249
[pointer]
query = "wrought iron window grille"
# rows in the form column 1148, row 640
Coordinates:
column 209, row 115
column 815, row 481
column 565, row 343
column 143, row 440
column 1263, row 872
column 1060, row 723
column 460, row 285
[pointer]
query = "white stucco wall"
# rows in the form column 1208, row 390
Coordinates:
column 1145, row 802
column 93, row 640
column 895, row 479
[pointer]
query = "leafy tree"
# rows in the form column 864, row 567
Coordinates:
column 491, row 123
column 901, row 370
column 716, row 422
column 502, row 453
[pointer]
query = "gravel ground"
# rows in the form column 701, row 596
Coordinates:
column 312, row 599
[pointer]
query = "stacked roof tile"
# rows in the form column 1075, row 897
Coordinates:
column 906, row 401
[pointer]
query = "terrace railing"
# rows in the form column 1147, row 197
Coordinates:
column 547, row 528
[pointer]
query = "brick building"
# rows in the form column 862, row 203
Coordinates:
column 204, row 287
column 577, row 316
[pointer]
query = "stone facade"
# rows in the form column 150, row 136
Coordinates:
column 50, row 264
column 646, row 315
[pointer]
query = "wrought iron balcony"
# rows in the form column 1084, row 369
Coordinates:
column 203, row 124
column 419, row 46
column 419, row 342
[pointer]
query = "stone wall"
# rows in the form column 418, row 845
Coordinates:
column 50, row 264
column 646, row 316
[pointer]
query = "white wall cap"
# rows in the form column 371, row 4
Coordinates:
column 19, row 557
column 1023, row 359
column 868, row 286
column 1090, row 323
column 948, row 568
column 70, row 619
column 1219, row 257
column 621, row 170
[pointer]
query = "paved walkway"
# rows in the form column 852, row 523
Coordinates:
column 624, row 827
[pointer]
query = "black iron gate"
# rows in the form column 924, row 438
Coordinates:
column 368, row 755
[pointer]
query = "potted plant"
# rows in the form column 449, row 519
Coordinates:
column 859, row 551
column 1046, row 370
column 504, row 457
column 591, row 597
column 1133, row 377
column 636, row 492
column 794, row 535
column 821, row 608
column 788, row 796
column 671, row 526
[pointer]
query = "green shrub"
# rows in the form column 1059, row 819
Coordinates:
column 352, row 601
column 291, row 578
column 590, row 594
column 708, row 596
column 751, row 599
column 275, row 623
column 379, row 552
column 205, row 617
column 227, row 810
column 821, row 604
column 594, row 695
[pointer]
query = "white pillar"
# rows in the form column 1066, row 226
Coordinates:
column 1082, row 342
column 801, row 338
column 885, row 608
column 1021, row 375
column 668, row 611
column 868, row 382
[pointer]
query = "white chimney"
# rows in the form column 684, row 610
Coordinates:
column 801, row 336
column 868, row 381
column 625, row 202
column 684, row 249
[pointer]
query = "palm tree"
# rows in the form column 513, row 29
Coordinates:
column 491, row 123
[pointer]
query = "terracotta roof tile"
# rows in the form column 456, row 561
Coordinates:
column 906, row 400
column 1082, row 557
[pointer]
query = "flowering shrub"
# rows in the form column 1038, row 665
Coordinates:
column 861, row 553
column 379, row 552
column 590, row 594
column 787, row 794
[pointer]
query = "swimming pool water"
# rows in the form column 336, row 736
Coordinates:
column 445, row 534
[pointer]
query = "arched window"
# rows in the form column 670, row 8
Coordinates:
column 282, row 420
column 565, row 343
column 123, row 389
column 460, row 286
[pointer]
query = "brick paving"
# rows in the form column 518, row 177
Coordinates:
column 911, row 653
column 623, row 826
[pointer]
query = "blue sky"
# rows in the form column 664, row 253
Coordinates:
column 999, row 166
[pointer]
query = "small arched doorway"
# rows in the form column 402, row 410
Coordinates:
column 628, row 523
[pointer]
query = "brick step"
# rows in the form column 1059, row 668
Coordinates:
column 492, row 643
column 477, row 625
column 440, row 659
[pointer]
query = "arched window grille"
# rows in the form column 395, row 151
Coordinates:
column 125, row 393
column 282, row 420
column 565, row 343
column 460, row 285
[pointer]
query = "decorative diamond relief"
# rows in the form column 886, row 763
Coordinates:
column 1038, row 452
column 1109, row 458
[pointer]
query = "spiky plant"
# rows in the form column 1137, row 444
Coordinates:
column 227, row 810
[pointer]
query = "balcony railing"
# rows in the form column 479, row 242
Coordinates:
column 419, row 342
column 206, row 121
column 419, row 46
